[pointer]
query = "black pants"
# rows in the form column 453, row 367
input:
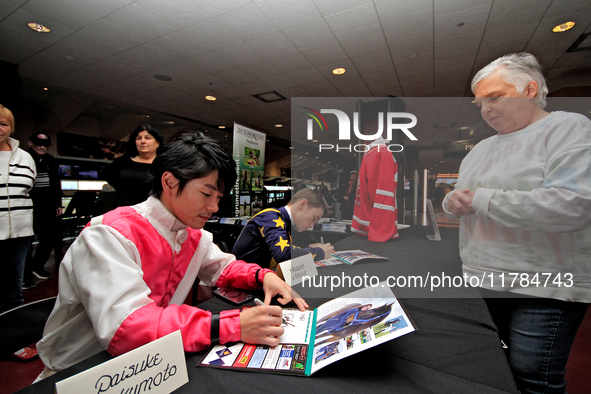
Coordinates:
column 47, row 231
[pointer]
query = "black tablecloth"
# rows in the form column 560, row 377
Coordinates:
column 455, row 349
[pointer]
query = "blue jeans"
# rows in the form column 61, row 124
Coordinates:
column 14, row 253
column 539, row 333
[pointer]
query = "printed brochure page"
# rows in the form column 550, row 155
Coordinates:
column 314, row 339
column 356, row 322
column 347, row 257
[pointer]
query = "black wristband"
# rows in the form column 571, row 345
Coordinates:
column 256, row 277
column 215, row 328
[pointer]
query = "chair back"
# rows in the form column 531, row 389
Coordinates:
column 23, row 325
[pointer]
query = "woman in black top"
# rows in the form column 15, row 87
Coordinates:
column 129, row 174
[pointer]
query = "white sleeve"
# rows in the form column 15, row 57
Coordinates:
column 444, row 206
column 105, row 274
column 562, row 204
column 213, row 260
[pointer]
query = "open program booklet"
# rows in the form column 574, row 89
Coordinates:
column 313, row 339
column 346, row 257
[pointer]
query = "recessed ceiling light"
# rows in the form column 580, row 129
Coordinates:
column 563, row 27
column 164, row 78
column 269, row 97
column 291, row 147
column 314, row 140
column 38, row 27
column 339, row 71
column 169, row 122
column 278, row 125
column 221, row 127
column 45, row 89
column 464, row 128
column 210, row 98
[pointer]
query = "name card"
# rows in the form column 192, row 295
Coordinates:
column 295, row 269
column 157, row 367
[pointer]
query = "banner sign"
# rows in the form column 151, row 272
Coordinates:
column 249, row 155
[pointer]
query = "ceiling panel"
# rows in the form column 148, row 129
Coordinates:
column 289, row 13
column 178, row 13
column 59, row 12
column 247, row 22
column 100, row 8
column 111, row 49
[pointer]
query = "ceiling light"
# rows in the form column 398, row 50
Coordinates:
column 221, row 127
column 563, row 27
column 339, row 71
column 210, row 98
column 464, row 128
column 69, row 57
column 45, row 89
column 269, row 97
column 38, row 27
column 314, row 140
column 291, row 147
column 278, row 125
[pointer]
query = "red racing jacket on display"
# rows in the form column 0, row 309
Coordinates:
column 376, row 214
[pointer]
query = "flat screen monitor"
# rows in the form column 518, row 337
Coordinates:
column 91, row 185
column 65, row 171
column 69, row 185
column 88, row 174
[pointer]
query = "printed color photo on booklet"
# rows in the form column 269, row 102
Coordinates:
column 314, row 339
column 347, row 257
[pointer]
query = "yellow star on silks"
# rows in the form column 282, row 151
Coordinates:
column 313, row 256
column 279, row 222
column 261, row 230
column 282, row 243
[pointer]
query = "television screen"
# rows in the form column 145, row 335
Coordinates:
column 65, row 170
column 69, row 185
column 89, row 174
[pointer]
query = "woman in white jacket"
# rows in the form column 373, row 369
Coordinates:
column 17, row 175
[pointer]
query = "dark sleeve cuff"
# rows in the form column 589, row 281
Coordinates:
column 215, row 328
column 260, row 275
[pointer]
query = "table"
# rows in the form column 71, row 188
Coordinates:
column 455, row 349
